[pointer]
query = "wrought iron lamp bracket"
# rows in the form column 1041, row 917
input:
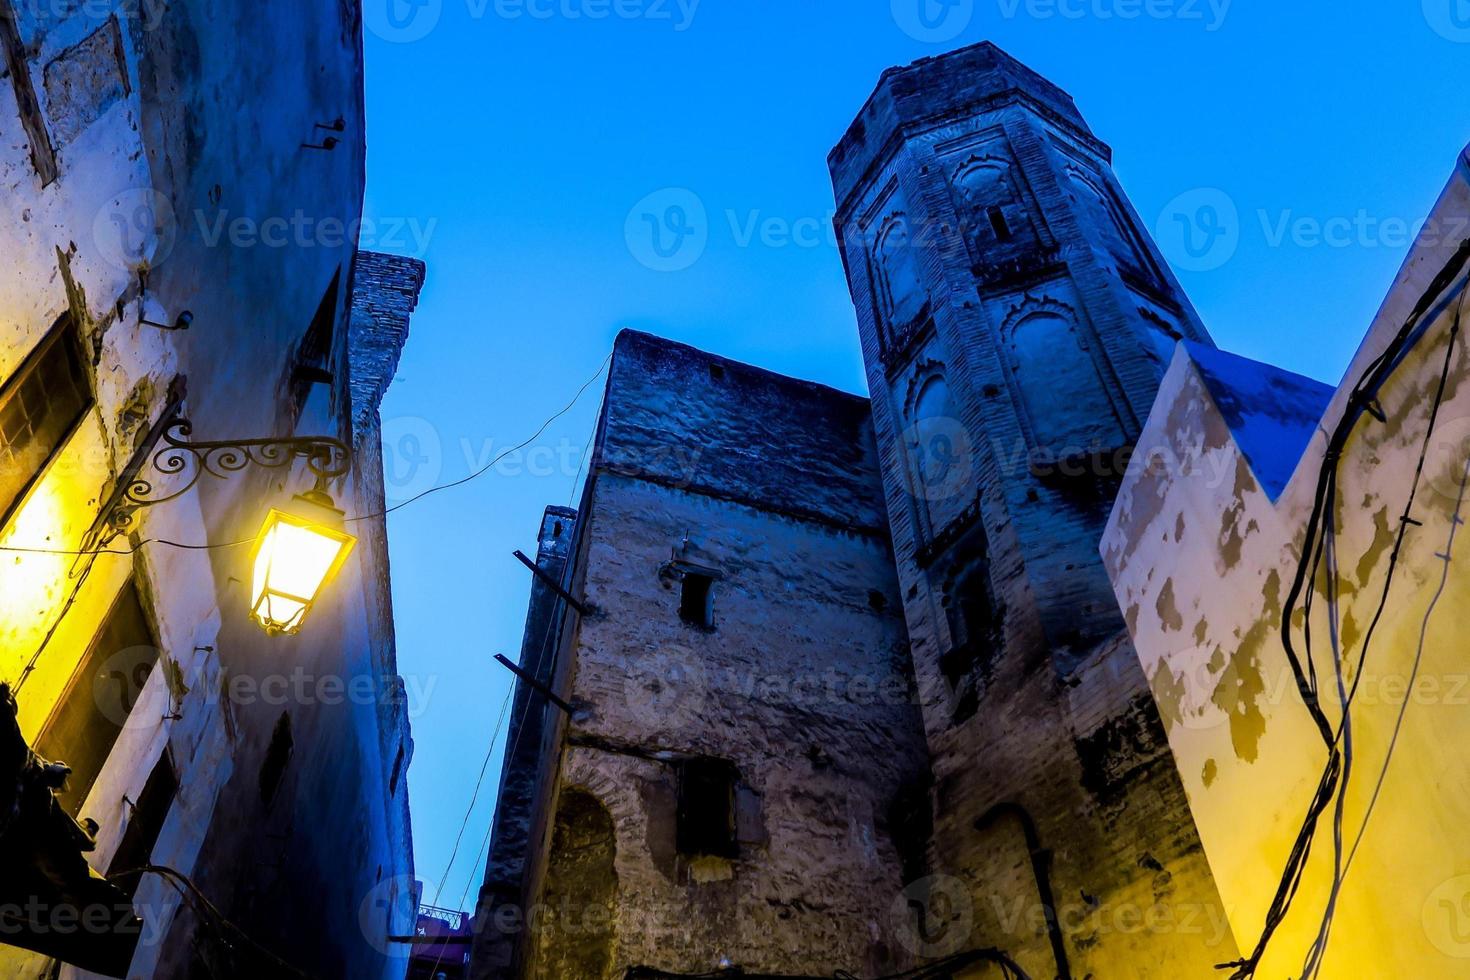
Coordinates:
column 178, row 453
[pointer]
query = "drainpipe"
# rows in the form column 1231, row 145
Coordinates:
column 1041, row 870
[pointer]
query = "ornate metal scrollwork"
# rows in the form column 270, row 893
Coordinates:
column 179, row 455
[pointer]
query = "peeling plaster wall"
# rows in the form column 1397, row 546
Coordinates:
column 176, row 133
column 803, row 683
column 1201, row 559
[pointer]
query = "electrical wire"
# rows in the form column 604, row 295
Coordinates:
column 1456, row 522
column 139, row 546
column 71, row 600
column 1332, row 786
column 135, row 548
column 520, row 729
column 212, row 916
column 484, row 767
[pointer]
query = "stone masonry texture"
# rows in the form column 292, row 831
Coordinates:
column 914, row 665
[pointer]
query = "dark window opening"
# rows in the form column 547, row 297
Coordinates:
column 145, row 824
column 998, row 224
column 313, row 357
column 89, row 717
column 706, row 815
column 974, row 625
column 697, row 600
column 40, row 405
column 276, row 758
column 877, row 600
column 910, row 825
column 717, row 372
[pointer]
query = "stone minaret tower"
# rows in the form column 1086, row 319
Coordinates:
column 1016, row 319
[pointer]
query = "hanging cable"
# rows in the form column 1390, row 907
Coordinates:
column 1456, row 522
column 477, row 474
column 211, row 916
column 519, row 726
column 93, row 553
column 484, row 767
column 1360, row 402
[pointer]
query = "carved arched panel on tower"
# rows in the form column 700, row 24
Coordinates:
column 939, row 448
column 899, row 295
column 996, row 213
column 1063, row 397
column 1101, row 214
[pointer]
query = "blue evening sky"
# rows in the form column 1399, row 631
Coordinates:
column 512, row 145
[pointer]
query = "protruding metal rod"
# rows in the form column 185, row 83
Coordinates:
column 535, row 685
column 552, row 584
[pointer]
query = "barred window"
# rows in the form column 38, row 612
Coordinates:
column 40, row 405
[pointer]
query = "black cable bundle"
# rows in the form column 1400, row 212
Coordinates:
column 1317, row 545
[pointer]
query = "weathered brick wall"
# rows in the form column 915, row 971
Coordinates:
column 803, row 682
column 1012, row 222
column 385, row 292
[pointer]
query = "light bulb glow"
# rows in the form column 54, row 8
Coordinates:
column 296, row 554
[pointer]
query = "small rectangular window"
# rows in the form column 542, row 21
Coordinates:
column 40, row 405
column 89, row 717
column 697, row 600
column 999, row 225
column 145, row 824
column 706, row 817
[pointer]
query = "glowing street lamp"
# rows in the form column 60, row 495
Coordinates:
column 298, row 550
column 296, row 554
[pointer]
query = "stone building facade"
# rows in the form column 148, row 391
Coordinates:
column 847, row 687
column 739, row 679
column 1204, row 545
column 157, row 159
